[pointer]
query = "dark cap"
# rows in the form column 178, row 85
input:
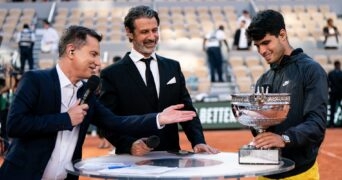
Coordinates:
column 46, row 21
column 26, row 26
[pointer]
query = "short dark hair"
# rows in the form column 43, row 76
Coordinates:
column 26, row 26
column 46, row 21
column 76, row 35
column 267, row 21
column 139, row 12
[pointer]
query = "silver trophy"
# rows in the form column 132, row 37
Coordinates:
column 260, row 111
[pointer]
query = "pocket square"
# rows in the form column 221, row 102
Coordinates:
column 172, row 81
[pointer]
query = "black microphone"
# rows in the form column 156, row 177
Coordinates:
column 152, row 141
column 92, row 83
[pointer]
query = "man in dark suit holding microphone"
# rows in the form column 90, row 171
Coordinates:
column 152, row 82
column 53, row 108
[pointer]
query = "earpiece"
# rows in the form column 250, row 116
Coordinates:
column 72, row 52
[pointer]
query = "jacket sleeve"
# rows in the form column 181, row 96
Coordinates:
column 33, row 111
column 236, row 37
column 311, row 128
column 325, row 33
column 193, row 129
column 105, row 119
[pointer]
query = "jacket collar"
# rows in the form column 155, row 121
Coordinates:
column 286, row 59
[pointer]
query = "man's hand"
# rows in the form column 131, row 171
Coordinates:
column 268, row 140
column 139, row 148
column 77, row 113
column 205, row 148
column 172, row 114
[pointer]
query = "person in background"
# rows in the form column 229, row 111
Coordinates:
column 25, row 40
column 245, row 16
column 49, row 41
column 152, row 82
column 240, row 39
column 47, row 122
column 291, row 71
column 331, row 33
column 212, row 43
column 335, row 93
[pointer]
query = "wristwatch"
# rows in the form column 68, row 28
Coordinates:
column 285, row 138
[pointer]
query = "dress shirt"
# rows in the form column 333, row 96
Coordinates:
column 66, row 140
column 243, row 42
column 136, row 57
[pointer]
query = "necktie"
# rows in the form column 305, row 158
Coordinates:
column 151, row 86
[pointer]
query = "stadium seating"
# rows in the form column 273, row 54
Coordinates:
column 183, row 25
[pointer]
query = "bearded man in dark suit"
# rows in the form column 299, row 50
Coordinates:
column 141, row 93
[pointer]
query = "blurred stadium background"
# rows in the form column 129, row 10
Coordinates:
column 183, row 24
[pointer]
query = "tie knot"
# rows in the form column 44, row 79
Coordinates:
column 147, row 60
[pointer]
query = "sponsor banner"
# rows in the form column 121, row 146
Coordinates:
column 216, row 115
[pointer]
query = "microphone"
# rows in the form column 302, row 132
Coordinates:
column 92, row 83
column 152, row 141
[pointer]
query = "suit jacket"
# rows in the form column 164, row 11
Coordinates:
column 125, row 93
column 35, row 119
column 237, row 39
column 326, row 33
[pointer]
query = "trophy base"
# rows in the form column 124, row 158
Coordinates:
column 251, row 155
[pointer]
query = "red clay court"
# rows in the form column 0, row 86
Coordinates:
column 329, row 159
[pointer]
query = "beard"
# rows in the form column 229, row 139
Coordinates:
column 147, row 47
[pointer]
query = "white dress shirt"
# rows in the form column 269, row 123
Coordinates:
column 136, row 57
column 243, row 43
column 66, row 140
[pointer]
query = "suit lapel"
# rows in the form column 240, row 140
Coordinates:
column 133, row 72
column 57, row 93
column 163, row 77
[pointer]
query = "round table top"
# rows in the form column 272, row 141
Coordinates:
column 164, row 165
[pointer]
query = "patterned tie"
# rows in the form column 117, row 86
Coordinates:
column 151, row 86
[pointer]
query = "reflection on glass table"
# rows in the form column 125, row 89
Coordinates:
column 164, row 165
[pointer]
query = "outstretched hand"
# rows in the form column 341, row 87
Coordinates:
column 173, row 114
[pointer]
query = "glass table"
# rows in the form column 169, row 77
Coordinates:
column 164, row 165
